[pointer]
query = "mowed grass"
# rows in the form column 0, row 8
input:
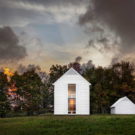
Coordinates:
column 69, row 125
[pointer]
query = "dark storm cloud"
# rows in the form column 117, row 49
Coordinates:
column 11, row 16
column 10, row 50
column 116, row 15
column 23, row 12
column 55, row 2
column 8, row 3
column 103, row 42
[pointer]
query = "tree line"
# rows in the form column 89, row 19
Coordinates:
column 31, row 92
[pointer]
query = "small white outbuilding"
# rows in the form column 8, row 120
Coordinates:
column 123, row 106
column 71, row 94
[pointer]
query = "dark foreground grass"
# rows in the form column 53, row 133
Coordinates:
column 69, row 125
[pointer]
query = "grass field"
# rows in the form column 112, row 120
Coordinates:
column 69, row 125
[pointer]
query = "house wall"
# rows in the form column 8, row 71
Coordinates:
column 61, row 95
column 82, row 99
column 125, row 107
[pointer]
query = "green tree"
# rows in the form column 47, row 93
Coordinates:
column 56, row 71
column 76, row 66
column 47, row 104
column 109, row 84
column 4, row 103
column 125, row 78
column 29, row 87
column 99, row 92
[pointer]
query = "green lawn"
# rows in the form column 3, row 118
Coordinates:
column 69, row 125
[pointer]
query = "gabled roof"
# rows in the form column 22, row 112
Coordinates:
column 119, row 100
column 71, row 71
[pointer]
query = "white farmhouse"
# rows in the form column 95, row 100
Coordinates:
column 123, row 106
column 71, row 94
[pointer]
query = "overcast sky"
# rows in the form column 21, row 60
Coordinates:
column 46, row 32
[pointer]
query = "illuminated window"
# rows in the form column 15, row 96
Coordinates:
column 71, row 98
column 71, row 90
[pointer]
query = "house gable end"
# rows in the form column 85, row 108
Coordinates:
column 73, row 72
column 120, row 100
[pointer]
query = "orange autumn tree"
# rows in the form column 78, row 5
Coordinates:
column 12, row 88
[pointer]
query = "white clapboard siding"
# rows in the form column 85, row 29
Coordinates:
column 123, row 106
column 61, row 93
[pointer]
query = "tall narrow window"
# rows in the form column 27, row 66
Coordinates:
column 71, row 98
column 71, row 91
